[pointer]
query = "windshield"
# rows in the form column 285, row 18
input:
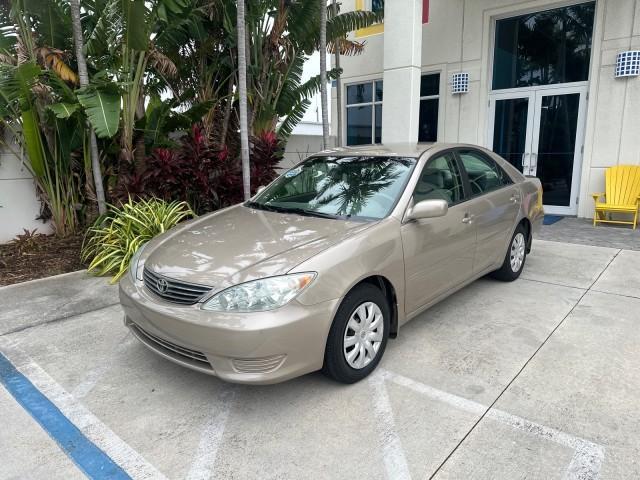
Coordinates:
column 359, row 186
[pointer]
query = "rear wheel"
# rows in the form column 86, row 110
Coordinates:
column 358, row 335
column 515, row 258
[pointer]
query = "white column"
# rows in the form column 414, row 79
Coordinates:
column 402, row 61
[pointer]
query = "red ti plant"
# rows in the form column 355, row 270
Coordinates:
column 266, row 153
column 206, row 178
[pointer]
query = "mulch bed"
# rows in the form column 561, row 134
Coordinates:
column 38, row 256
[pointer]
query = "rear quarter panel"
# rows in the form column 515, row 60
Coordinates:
column 530, row 189
column 531, row 206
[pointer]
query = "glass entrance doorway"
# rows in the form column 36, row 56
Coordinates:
column 541, row 132
column 538, row 99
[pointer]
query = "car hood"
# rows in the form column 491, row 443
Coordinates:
column 239, row 244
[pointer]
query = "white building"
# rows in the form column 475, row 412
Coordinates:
column 19, row 205
column 542, row 85
column 306, row 137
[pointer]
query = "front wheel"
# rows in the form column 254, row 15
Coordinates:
column 515, row 258
column 358, row 335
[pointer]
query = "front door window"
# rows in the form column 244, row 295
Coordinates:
column 440, row 180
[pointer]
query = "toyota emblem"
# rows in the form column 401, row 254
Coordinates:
column 162, row 285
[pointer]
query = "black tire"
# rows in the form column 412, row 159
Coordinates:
column 336, row 365
column 506, row 272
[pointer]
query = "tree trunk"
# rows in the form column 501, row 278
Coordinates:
column 227, row 112
column 84, row 81
column 242, row 95
column 323, row 74
column 336, row 44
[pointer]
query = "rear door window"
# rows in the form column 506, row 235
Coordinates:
column 484, row 174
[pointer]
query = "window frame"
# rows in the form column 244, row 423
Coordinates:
column 431, row 97
column 466, row 186
column 373, row 103
column 465, row 174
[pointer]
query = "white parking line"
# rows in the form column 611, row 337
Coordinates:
column 96, row 431
column 395, row 462
column 585, row 464
column 93, row 377
column 211, row 437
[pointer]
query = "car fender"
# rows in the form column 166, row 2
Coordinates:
column 376, row 251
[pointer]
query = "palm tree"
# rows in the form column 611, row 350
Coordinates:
column 84, row 82
column 242, row 96
column 323, row 74
column 338, row 86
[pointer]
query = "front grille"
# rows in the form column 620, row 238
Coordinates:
column 172, row 290
column 170, row 348
column 258, row 365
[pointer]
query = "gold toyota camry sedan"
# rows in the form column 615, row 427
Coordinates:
column 324, row 265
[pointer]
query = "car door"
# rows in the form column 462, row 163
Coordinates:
column 438, row 252
column 494, row 205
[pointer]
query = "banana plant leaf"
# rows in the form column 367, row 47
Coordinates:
column 64, row 110
column 102, row 107
column 33, row 142
column 135, row 27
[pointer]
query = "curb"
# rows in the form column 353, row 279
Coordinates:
column 43, row 279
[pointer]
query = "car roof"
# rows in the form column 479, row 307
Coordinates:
column 414, row 150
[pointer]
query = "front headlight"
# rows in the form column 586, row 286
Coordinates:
column 133, row 263
column 260, row 295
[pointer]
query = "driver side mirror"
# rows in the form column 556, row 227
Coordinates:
column 428, row 209
column 260, row 188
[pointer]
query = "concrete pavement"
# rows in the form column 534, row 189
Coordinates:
column 539, row 378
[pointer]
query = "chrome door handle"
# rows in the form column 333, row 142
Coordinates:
column 524, row 155
column 468, row 219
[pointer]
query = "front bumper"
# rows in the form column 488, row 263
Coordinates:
column 260, row 348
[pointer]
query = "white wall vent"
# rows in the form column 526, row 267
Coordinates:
column 459, row 83
column 628, row 64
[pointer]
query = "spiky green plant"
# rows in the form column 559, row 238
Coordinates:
column 114, row 238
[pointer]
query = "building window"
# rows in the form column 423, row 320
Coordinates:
column 378, row 6
column 364, row 113
column 429, row 103
column 372, row 5
column 544, row 48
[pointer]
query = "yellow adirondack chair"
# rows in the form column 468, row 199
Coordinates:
column 622, row 195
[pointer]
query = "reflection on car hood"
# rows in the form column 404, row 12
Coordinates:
column 240, row 243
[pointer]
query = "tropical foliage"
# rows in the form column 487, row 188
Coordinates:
column 204, row 176
column 116, row 236
column 155, row 68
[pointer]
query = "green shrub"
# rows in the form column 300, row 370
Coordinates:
column 114, row 238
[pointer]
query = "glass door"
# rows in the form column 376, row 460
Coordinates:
column 556, row 153
column 540, row 132
column 510, row 129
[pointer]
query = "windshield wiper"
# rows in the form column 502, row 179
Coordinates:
column 309, row 213
column 297, row 210
column 262, row 206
